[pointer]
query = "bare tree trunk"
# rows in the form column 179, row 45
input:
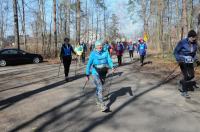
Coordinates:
column 69, row 18
column 177, row 21
column 97, row 28
column 49, row 43
column 144, row 8
column 55, row 29
column 87, row 23
column 24, row 24
column 198, row 26
column 104, row 20
column 92, row 30
column 43, row 27
column 184, row 18
column 78, row 22
column 190, row 16
column 2, row 23
column 100, row 26
column 160, row 25
column 16, row 28
column 37, row 36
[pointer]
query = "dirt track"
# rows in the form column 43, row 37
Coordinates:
column 34, row 98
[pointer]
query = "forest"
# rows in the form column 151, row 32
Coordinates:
column 41, row 25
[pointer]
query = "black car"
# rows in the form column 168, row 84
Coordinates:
column 15, row 56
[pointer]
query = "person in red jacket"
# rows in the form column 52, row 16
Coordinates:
column 119, row 51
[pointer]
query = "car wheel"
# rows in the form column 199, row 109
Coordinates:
column 36, row 60
column 2, row 63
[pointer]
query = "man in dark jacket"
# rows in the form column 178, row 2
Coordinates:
column 185, row 54
column 66, row 56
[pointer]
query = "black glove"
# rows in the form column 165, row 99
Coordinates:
column 198, row 63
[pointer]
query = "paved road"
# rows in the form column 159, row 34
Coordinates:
column 33, row 98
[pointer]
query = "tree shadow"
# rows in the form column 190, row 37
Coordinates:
column 5, row 103
column 147, row 62
column 54, row 110
column 134, row 98
column 128, row 63
column 34, row 82
column 114, row 74
column 121, row 92
column 30, row 83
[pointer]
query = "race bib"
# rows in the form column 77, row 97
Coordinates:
column 142, row 47
column 188, row 59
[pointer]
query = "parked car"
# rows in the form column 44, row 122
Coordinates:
column 15, row 56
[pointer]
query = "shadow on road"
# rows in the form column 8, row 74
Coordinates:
column 99, row 122
column 121, row 92
column 58, row 115
column 12, row 100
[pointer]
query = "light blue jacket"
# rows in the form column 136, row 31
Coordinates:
column 98, row 58
column 106, row 47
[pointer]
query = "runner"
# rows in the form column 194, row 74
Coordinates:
column 99, row 63
column 66, row 56
column 185, row 54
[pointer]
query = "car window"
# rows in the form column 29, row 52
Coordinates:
column 9, row 52
column 22, row 52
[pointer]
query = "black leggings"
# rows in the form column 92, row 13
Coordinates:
column 119, row 57
column 142, row 59
column 187, row 70
column 131, row 53
column 66, row 63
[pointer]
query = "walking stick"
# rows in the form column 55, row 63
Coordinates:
column 82, row 89
column 75, row 68
column 59, row 68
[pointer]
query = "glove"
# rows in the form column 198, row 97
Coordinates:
column 198, row 63
column 87, row 77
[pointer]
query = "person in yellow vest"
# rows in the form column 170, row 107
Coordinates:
column 79, row 51
column 84, row 47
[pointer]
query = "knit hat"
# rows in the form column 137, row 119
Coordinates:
column 98, row 42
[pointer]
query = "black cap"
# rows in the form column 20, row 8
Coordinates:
column 192, row 33
column 66, row 39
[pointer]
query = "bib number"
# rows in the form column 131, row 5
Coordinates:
column 188, row 59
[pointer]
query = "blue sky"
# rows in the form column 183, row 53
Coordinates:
column 119, row 7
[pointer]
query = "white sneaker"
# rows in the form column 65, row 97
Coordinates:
column 185, row 94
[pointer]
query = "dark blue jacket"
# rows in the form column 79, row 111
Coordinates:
column 66, row 50
column 184, row 48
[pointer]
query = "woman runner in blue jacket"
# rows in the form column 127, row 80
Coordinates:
column 98, row 65
column 142, row 47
